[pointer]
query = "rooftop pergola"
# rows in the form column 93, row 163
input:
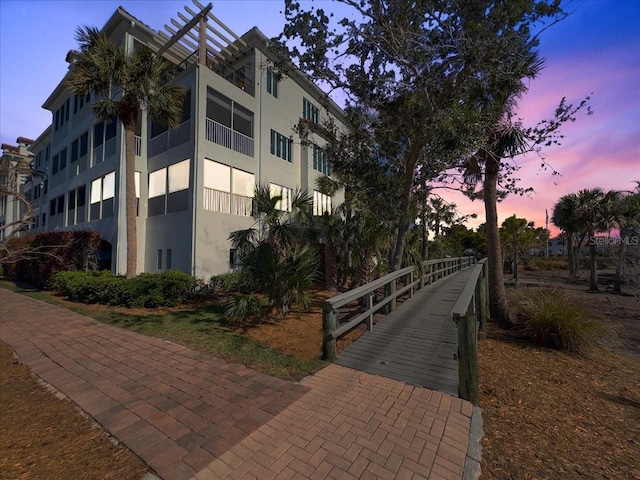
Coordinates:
column 199, row 36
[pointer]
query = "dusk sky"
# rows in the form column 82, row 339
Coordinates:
column 596, row 51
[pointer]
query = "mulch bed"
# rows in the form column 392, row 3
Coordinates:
column 45, row 437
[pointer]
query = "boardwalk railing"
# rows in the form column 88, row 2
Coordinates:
column 410, row 280
column 470, row 312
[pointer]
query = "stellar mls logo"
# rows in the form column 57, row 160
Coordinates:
column 609, row 241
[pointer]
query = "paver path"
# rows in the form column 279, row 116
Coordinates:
column 189, row 415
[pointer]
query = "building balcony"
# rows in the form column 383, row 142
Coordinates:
column 222, row 135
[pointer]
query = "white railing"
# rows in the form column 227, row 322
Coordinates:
column 170, row 139
column 222, row 135
column 225, row 202
column 138, row 146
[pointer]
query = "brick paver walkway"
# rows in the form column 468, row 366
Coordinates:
column 188, row 415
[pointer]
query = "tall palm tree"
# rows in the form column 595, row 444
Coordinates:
column 123, row 84
column 495, row 97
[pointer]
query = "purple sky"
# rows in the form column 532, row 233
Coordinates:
column 595, row 51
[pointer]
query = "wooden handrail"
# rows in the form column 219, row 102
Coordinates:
column 470, row 312
column 433, row 270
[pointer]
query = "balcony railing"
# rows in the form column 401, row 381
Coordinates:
column 225, row 202
column 225, row 136
column 170, row 139
column 138, row 146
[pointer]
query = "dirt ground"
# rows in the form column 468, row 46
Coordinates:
column 547, row 415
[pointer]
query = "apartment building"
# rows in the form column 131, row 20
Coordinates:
column 195, row 182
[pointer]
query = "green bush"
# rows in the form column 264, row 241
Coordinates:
column 234, row 282
column 240, row 308
column 89, row 287
column 149, row 290
column 551, row 319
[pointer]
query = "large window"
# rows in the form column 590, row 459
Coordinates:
column 272, row 83
column 285, row 194
column 79, row 150
column 103, row 191
column 320, row 161
column 227, row 189
column 321, row 203
column 104, row 144
column 169, row 189
column 310, row 111
column 281, row 146
column 76, row 205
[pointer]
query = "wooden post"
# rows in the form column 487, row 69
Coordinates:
column 410, row 279
column 368, row 303
column 329, row 325
column 482, row 300
column 467, row 357
column 390, row 290
column 202, row 36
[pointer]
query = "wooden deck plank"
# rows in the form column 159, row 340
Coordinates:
column 416, row 343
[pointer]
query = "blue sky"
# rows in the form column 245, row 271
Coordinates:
column 594, row 51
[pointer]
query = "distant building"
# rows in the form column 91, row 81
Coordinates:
column 10, row 184
column 195, row 182
column 557, row 246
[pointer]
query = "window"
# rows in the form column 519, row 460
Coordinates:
column 76, row 203
column 102, row 196
column 227, row 190
column 61, row 115
column 102, row 147
column 281, row 146
column 310, row 111
column 169, row 189
column 320, row 161
column 285, row 195
column 159, row 259
column 168, row 262
column 272, row 83
column 321, row 203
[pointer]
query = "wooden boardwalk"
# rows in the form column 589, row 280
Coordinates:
column 417, row 343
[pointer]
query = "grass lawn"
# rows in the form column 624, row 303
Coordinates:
column 199, row 326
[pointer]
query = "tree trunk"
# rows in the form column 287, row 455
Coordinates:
column 593, row 266
column 330, row 267
column 570, row 253
column 497, row 294
column 130, row 200
column 617, row 281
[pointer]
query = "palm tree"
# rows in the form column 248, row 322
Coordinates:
column 627, row 220
column 595, row 212
column 564, row 216
column 496, row 98
column 271, row 250
column 123, row 84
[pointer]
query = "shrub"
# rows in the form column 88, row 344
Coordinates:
column 545, row 263
column 240, row 308
column 89, row 287
column 149, row 290
column 35, row 259
column 234, row 282
column 551, row 319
